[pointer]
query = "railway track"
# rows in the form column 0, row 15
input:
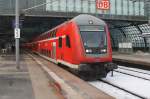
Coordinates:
column 65, row 78
column 134, row 70
column 130, row 92
column 132, row 83
column 131, row 75
column 135, row 73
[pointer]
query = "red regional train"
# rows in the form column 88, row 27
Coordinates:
column 82, row 44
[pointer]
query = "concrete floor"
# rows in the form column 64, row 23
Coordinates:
column 30, row 82
column 12, row 87
column 14, row 84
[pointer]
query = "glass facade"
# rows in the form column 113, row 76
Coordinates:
column 131, row 34
column 117, row 7
column 9, row 5
column 116, row 37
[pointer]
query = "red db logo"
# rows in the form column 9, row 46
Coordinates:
column 103, row 4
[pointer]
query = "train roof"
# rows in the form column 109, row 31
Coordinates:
column 85, row 19
column 82, row 19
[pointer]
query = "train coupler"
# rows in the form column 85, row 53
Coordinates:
column 110, row 67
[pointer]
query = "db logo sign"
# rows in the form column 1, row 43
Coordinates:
column 103, row 4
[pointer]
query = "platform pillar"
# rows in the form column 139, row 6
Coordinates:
column 17, row 33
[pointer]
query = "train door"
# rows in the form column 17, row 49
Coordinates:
column 54, row 50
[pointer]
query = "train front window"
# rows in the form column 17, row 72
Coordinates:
column 94, row 41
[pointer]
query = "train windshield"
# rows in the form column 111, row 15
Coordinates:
column 94, row 38
column 94, row 41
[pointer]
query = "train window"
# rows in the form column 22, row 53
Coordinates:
column 55, row 33
column 50, row 34
column 94, row 39
column 68, row 41
column 91, row 28
column 60, row 42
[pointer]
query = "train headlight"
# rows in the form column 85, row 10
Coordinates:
column 103, row 50
column 90, row 22
column 88, row 50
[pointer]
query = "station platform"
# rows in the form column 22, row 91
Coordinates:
column 30, row 82
column 134, row 58
column 41, row 79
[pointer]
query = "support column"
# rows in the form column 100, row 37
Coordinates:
column 51, row 6
column 139, row 8
column 89, row 6
column 147, row 4
column 133, row 8
column 74, row 5
column 59, row 5
column 66, row 6
column 122, row 7
column 128, row 6
column 116, row 7
column 17, row 39
column 82, row 6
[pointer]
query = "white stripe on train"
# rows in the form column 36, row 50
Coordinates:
column 60, row 61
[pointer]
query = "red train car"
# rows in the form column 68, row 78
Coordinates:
column 83, row 44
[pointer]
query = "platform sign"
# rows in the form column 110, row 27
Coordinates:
column 17, row 33
column 103, row 4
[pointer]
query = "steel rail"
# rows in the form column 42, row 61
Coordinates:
column 132, row 75
column 133, row 70
column 137, row 95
